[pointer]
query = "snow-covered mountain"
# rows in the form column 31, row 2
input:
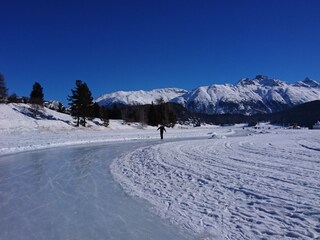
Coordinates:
column 139, row 97
column 249, row 96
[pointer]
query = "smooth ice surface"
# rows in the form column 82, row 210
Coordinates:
column 69, row 193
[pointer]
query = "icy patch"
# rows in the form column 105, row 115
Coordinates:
column 69, row 193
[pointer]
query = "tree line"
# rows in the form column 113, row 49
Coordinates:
column 36, row 94
column 82, row 107
column 154, row 114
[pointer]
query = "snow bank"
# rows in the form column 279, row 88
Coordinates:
column 21, row 129
column 263, row 186
column 18, row 118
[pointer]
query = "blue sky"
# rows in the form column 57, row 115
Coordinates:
column 133, row 45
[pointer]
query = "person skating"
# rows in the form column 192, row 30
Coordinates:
column 161, row 128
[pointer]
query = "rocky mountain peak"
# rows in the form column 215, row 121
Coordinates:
column 249, row 96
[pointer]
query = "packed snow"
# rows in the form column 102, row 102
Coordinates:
column 228, row 182
column 262, row 186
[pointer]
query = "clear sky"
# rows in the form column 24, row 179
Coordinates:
column 145, row 44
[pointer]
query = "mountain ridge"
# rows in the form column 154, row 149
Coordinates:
column 139, row 97
column 249, row 96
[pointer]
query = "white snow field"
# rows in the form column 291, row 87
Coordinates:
column 21, row 131
column 213, row 182
column 264, row 186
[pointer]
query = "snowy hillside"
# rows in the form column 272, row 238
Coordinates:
column 248, row 96
column 139, row 97
column 22, row 129
column 19, row 117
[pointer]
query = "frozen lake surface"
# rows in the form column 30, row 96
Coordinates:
column 69, row 193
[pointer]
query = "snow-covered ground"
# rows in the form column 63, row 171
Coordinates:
column 264, row 186
column 219, row 183
column 21, row 130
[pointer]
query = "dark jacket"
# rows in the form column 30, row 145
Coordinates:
column 161, row 128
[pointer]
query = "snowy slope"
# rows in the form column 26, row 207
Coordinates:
column 139, row 97
column 19, row 117
column 248, row 96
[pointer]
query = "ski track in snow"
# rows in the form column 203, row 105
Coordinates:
column 256, row 187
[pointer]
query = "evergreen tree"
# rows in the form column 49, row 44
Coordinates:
column 152, row 118
column 75, row 102
column 104, row 116
column 36, row 95
column 162, row 113
column 96, row 110
column 172, row 117
column 80, row 102
column 61, row 108
column 3, row 89
column 13, row 98
column 115, row 112
column 160, row 101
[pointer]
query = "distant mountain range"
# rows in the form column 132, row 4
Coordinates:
column 141, row 97
column 249, row 96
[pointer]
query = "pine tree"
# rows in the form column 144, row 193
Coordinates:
column 13, row 98
column 152, row 118
column 61, row 108
column 80, row 102
column 95, row 110
column 3, row 89
column 75, row 102
column 161, row 113
column 115, row 112
column 36, row 95
column 104, row 116
column 172, row 117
